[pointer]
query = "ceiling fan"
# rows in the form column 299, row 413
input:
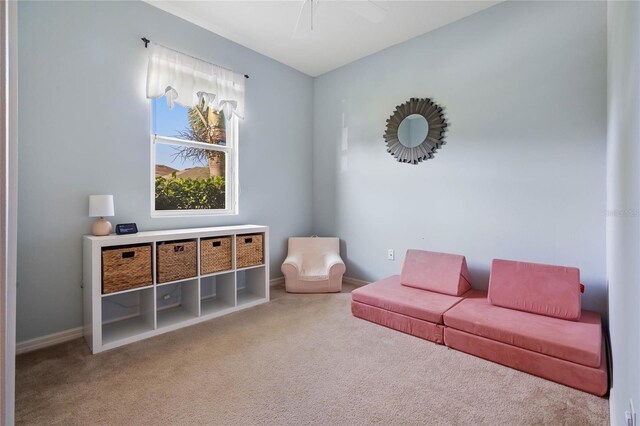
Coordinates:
column 306, row 17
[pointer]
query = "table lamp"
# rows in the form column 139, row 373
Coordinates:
column 101, row 206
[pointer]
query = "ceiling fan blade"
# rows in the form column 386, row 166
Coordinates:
column 303, row 24
column 367, row 9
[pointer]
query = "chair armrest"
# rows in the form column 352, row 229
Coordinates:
column 293, row 260
column 331, row 260
column 292, row 266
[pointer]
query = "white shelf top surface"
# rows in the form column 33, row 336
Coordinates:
column 235, row 229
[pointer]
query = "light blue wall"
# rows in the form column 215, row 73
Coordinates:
column 623, row 204
column 522, row 175
column 84, row 129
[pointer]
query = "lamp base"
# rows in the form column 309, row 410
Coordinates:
column 101, row 227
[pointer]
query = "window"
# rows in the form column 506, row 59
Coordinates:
column 194, row 161
column 194, row 144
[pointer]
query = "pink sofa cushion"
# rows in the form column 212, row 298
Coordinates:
column 575, row 341
column 390, row 295
column 532, row 287
column 588, row 379
column 406, row 324
column 440, row 272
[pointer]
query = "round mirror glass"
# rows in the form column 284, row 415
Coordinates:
column 413, row 130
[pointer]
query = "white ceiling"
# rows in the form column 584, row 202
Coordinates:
column 340, row 35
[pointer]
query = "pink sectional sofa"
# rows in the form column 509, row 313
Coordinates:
column 530, row 319
column 415, row 301
column 412, row 311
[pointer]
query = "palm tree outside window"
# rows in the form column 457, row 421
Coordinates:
column 194, row 161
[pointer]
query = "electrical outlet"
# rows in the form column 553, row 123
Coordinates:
column 630, row 416
column 390, row 254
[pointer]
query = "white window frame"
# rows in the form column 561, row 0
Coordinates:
column 231, row 172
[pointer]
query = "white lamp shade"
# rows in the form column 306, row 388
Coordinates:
column 101, row 205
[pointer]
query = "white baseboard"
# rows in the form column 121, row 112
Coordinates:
column 345, row 280
column 354, row 281
column 49, row 340
column 75, row 333
column 276, row 281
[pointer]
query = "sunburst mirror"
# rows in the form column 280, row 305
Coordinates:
column 415, row 130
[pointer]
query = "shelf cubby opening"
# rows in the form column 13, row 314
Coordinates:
column 217, row 293
column 250, row 285
column 127, row 314
column 177, row 303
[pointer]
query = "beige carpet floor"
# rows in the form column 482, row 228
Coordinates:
column 300, row 359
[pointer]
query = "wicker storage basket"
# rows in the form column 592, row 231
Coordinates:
column 176, row 260
column 249, row 250
column 127, row 267
column 215, row 255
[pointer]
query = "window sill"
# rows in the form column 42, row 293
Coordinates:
column 191, row 213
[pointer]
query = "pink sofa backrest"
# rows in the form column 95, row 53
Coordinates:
column 439, row 272
column 548, row 290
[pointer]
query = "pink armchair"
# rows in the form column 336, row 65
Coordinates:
column 313, row 265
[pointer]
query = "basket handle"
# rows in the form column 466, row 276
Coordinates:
column 178, row 249
column 248, row 240
column 128, row 254
column 216, row 244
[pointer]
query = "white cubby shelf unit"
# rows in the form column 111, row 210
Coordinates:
column 122, row 317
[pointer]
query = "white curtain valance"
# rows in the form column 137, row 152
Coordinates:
column 188, row 81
